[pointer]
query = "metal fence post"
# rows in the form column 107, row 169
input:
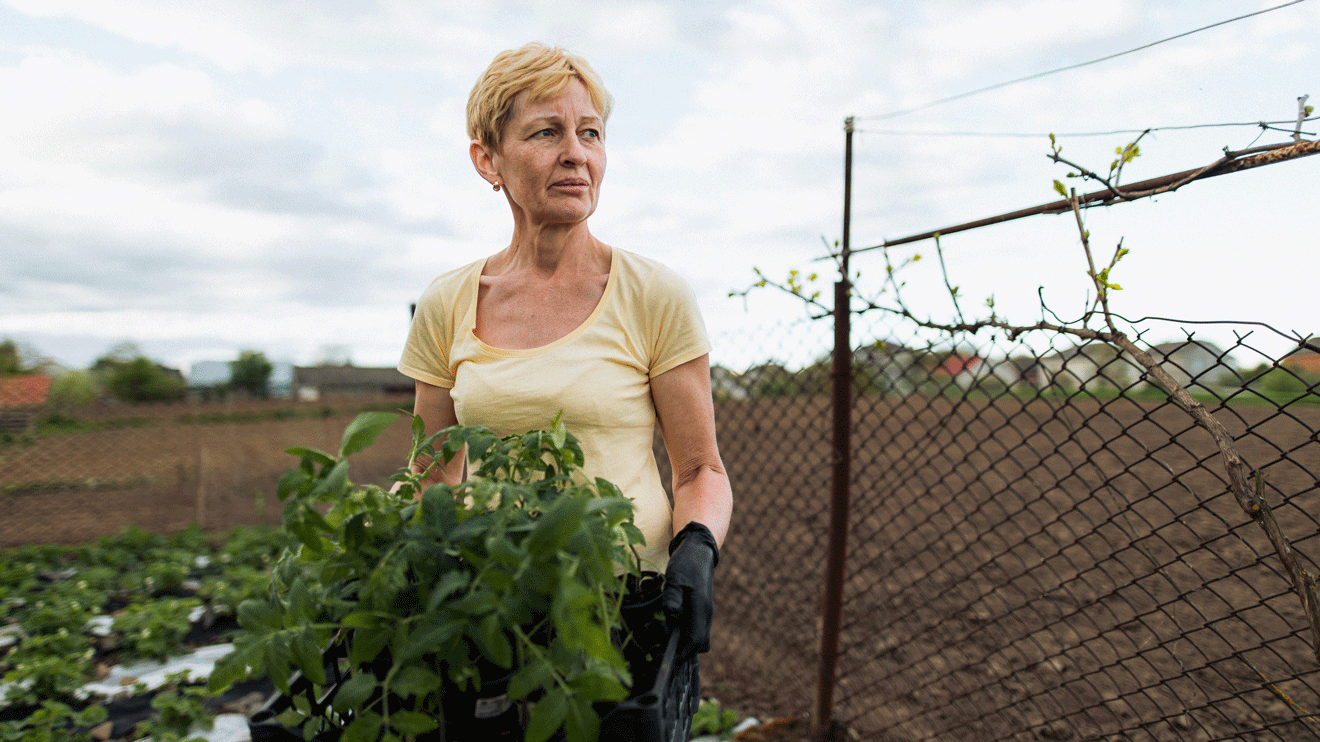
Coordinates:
column 822, row 716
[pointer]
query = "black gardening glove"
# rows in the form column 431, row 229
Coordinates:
column 689, row 598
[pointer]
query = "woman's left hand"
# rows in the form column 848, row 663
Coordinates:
column 689, row 597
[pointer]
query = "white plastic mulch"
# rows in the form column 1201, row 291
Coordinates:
column 122, row 678
column 744, row 724
column 228, row 727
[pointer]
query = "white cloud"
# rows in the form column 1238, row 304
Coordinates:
column 291, row 175
column 266, row 37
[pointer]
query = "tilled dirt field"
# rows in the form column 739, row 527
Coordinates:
column 161, row 474
column 1023, row 571
column 1016, row 570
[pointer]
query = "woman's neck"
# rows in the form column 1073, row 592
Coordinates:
column 550, row 250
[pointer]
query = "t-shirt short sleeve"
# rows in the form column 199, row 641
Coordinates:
column 674, row 321
column 427, row 353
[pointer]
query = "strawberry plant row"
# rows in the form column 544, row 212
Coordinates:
column 69, row 614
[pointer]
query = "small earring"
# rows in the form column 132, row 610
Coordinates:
column 496, row 186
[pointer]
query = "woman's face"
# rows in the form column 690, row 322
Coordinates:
column 552, row 157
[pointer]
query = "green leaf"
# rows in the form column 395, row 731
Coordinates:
column 319, row 457
column 233, row 667
column 414, row 680
column 92, row 715
column 558, row 433
column 412, row 722
column 367, row 644
column 290, row 481
column 555, row 525
column 363, row 619
column 365, row 728
column 418, row 430
column 307, row 655
column 529, row 678
column 302, row 608
column 1058, row 186
column 494, row 642
column 582, row 724
column 354, row 691
column 363, row 430
column 595, row 684
column 428, row 640
column 255, row 614
column 278, row 656
column 479, row 602
column 448, row 585
column 546, row 716
column 334, row 481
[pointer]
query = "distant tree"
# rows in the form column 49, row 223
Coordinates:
column 771, row 380
column 251, row 373
column 139, row 379
column 117, row 356
column 10, row 363
column 72, row 389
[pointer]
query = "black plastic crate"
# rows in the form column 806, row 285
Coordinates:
column 666, row 693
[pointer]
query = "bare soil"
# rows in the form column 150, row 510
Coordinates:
column 1017, row 570
column 1022, row 571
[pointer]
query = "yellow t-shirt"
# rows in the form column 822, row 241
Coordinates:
column 647, row 322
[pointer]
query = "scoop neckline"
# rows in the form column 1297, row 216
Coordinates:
column 586, row 323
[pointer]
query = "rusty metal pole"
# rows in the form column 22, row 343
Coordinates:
column 822, row 716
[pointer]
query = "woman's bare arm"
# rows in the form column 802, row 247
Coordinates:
column 436, row 408
column 687, row 421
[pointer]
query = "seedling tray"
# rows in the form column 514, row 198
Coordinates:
column 665, row 696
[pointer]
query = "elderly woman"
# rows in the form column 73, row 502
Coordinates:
column 560, row 321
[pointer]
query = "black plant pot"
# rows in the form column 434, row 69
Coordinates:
column 483, row 712
column 666, row 690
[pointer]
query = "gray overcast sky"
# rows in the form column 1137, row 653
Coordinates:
column 201, row 178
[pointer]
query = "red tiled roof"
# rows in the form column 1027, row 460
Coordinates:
column 956, row 364
column 24, row 390
column 1303, row 360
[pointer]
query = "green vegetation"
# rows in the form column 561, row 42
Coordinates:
column 146, row 584
column 712, row 718
column 141, row 380
column 514, row 569
column 11, row 359
column 251, row 373
column 72, row 389
column 426, row 587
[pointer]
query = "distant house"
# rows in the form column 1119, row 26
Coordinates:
column 1089, row 367
column 1197, row 363
column 1022, row 370
column 23, row 391
column 965, row 369
column 205, row 375
column 20, row 395
column 1304, row 360
column 313, row 383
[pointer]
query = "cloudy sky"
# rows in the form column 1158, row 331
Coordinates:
column 201, row 178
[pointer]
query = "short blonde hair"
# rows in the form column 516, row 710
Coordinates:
column 543, row 71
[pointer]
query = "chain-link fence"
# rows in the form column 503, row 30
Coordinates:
column 70, row 476
column 1041, row 545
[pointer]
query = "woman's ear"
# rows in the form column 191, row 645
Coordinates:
column 483, row 159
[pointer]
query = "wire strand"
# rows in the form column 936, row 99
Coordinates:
column 1269, row 125
column 996, row 86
